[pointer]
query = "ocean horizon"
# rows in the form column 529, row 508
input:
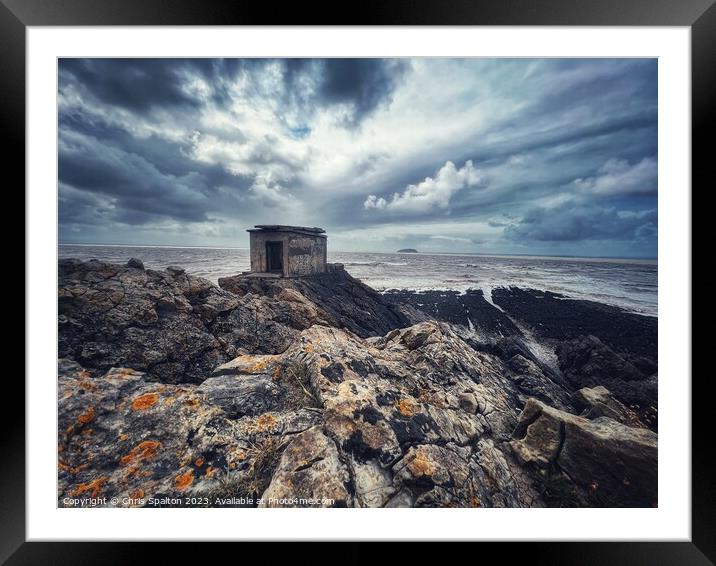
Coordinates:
column 629, row 283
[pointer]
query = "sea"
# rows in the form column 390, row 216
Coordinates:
column 627, row 283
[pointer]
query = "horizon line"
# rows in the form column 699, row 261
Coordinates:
column 208, row 247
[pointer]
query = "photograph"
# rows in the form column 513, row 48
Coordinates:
column 357, row 282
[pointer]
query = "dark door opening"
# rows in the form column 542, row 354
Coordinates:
column 274, row 256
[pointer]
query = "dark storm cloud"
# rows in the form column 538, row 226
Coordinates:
column 570, row 222
column 363, row 83
column 565, row 149
column 141, row 85
column 137, row 189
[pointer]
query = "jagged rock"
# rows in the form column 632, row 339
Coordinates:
column 599, row 402
column 588, row 362
column 610, row 463
column 135, row 263
column 121, row 436
column 311, row 388
column 335, row 297
column 177, row 327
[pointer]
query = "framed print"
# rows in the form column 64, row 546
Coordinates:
column 421, row 275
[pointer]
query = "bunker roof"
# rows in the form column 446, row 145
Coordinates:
column 312, row 231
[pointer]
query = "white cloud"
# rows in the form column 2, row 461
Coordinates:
column 433, row 192
column 270, row 193
column 617, row 176
column 374, row 202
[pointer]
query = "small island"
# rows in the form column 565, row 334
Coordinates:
column 407, row 251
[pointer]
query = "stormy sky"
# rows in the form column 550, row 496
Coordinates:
column 527, row 156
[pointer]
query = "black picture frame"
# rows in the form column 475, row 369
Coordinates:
column 699, row 15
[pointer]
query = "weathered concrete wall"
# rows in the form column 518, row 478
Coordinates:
column 306, row 255
column 302, row 254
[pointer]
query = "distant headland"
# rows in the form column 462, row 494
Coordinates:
column 407, row 251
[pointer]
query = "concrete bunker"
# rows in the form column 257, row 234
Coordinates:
column 287, row 251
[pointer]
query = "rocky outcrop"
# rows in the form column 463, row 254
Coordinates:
column 588, row 362
column 604, row 462
column 177, row 327
column 318, row 392
column 416, row 417
column 344, row 302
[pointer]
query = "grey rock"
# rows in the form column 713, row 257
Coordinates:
column 610, row 463
column 242, row 395
column 599, row 402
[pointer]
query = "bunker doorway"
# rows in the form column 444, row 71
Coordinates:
column 274, row 256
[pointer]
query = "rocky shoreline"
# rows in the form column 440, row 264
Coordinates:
column 173, row 391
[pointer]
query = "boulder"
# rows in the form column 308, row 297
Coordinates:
column 611, row 464
column 599, row 402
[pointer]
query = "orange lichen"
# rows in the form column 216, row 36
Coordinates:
column 71, row 469
column 405, row 407
column 276, row 373
column 421, row 465
column 183, row 481
column 94, row 487
column 209, row 472
column 123, row 436
column 145, row 401
column 266, row 422
column 142, row 451
column 308, row 348
column 257, row 367
column 87, row 385
column 241, row 455
column 137, row 494
column 191, row 402
column 199, row 462
column 475, row 502
column 86, row 417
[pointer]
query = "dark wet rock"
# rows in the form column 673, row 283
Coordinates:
column 135, row 263
column 555, row 316
column 469, row 309
column 588, row 362
column 607, row 462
